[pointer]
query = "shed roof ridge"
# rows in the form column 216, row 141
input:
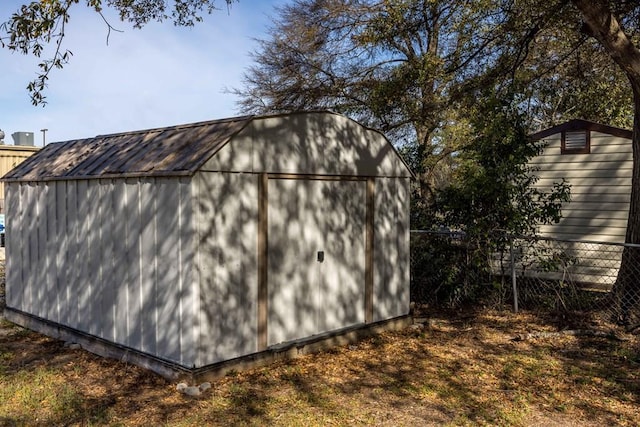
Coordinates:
column 177, row 127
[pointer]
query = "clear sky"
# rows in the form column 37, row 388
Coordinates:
column 158, row 76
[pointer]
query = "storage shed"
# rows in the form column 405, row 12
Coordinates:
column 196, row 244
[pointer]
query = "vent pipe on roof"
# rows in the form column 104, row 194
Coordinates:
column 23, row 138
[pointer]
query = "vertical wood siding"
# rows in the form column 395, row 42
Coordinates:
column 227, row 227
column 108, row 257
column 14, row 297
column 72, row 235
column 307, row 296
column 31, row 218
column 391, row 248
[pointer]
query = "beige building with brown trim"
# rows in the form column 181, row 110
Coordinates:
column 10, row 157
column 596, row 160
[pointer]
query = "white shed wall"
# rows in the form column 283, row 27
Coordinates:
column 320, row 144
column 307, row 295
column 169, row 266
column 100, row 256
column 391, row 275
column 226, row 267
column 600, row 188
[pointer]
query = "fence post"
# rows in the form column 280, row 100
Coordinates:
column 513, row 275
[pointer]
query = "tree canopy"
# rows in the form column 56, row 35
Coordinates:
column 402, row 65
column 396, row 65
column 416, row 68
column 37, row 24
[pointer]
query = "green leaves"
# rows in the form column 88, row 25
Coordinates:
column 30, row 30
column 39, row 24
column 493, row 187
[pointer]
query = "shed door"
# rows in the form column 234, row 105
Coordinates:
column 316, row 246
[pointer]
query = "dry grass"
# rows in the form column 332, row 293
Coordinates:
column 455, row 371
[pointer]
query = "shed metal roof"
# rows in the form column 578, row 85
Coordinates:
column 171, row 151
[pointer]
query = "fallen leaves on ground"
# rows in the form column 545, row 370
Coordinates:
column 461, row 369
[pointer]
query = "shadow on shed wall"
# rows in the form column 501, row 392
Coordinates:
column 168, row 266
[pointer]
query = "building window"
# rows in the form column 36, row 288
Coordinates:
column 576, row 142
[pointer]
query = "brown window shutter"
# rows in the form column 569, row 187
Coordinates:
column 576, row 142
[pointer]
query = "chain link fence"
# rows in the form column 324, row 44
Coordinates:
column 533, row 273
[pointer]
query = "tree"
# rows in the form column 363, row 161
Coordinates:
column 557, row 71
column 40, row 23
column 397, row 65
column 408, row 67
column 491, row 198
column 567, row 75
column 494, row 189
column 609, row 31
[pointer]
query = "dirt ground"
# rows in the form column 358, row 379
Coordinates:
column 456, row 369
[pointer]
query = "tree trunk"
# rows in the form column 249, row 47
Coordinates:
column 626, row 291
column 600, row 23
